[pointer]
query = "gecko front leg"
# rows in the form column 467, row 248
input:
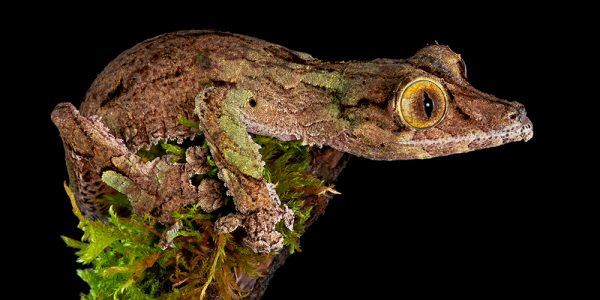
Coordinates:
column 241, row 168
column 101, row 163
column 89, row 147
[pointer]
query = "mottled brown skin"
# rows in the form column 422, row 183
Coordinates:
column 264, row 89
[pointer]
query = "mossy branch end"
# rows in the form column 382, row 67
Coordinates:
column 136, row 257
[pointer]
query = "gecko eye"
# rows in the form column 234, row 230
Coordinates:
column 422, row 103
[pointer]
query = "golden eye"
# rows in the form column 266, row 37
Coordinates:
column 422, row 103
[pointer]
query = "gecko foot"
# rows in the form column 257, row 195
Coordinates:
column 261, row 235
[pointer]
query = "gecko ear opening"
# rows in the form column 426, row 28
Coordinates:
column 422, row 103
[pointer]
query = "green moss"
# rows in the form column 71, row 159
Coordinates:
column 162, row 149
column 188, row 122
column 177, row 151
column 118, row 201
column 286, row 163
column 121, row 252
column 124, row 255
column 173, row 149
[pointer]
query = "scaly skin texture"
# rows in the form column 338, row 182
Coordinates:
column 235, row 85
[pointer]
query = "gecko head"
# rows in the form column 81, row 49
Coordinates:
column 434, row 111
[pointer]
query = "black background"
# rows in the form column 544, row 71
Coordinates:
column 482, row 224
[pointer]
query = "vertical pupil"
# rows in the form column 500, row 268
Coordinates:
column 427, row 105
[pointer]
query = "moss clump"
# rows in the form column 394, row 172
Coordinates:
column 286, row 163
column 160, row 149
column 138, row 258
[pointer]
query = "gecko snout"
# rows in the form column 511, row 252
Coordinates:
column 520, row 116
column 527, row 127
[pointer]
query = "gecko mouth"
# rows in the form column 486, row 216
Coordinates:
column 511, row 133
column 522, row 131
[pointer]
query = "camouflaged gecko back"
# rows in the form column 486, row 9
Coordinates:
column 142, row 92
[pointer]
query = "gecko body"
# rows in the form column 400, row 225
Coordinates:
column 234, row 86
